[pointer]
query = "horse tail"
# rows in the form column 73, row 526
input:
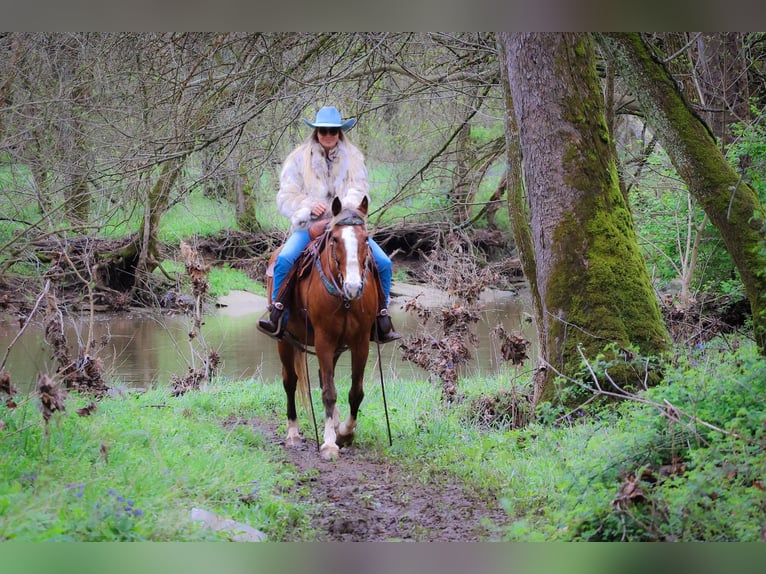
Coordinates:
column 299, row 362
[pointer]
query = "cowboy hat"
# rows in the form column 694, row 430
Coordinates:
column 329, row 117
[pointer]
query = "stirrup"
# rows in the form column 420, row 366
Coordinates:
column 274, row 325
column 384, row 329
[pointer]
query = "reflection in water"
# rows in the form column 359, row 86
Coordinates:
column 144, row 350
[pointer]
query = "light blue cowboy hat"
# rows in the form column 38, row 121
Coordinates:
column 329, row 117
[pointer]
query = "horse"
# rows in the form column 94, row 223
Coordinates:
column 332, row 307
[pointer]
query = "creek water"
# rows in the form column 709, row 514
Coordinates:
column 144, row 349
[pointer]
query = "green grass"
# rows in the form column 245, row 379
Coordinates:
column 15, row 201
column 225, row 279
column 196, row 216
column 135, row 468
column 694, row 455
column 88, row 476
column 426, row 200
column 222, row 280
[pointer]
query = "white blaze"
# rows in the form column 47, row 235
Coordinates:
column 352, row 287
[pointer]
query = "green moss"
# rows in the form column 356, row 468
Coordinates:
column 599, row 284
column 598, row 293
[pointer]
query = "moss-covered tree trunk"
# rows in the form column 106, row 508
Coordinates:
column 592, row 282
column 8, row 76
column 77, row 193
column 245, row 199
column 732, row 205
column 464, row 161
column 72, row 144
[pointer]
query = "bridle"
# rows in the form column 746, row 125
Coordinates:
column 334, row 283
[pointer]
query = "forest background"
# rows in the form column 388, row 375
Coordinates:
column 653, row 143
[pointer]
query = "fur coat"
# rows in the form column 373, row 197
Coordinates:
column 309, row 176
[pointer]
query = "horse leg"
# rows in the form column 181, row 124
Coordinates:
column 336, row 412
column 290, row 382
column 329, row 450
column 356, row 394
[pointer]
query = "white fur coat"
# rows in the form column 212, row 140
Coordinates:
column 308, row 178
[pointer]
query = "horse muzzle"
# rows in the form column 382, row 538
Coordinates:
column 353, row 290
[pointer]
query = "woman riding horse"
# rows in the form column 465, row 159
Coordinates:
column 326, row 166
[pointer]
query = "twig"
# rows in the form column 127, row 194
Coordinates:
column 682, row 49
column 587, row 364
column 18, row 430
column 574, row 410
column 26, row 323
column 662, row 407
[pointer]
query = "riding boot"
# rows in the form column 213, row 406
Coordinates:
column 384, row 329
column 275, row 325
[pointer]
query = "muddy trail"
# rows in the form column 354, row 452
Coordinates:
column 365, row 497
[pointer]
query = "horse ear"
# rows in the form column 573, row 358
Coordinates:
column 336, row 206
column 363, row 206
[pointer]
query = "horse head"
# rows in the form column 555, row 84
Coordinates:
column 349, row 249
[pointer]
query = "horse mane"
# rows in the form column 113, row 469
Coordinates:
column 347, row 213
column 318, row 244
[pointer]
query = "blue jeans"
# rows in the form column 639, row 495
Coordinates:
column 298, row 241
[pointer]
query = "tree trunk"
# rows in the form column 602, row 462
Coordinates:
column 518, row 212
column 246, row 216
column 157, row 203
column 42, row 187
column 731, row 204
column 592, row 282
column 77, row 193
column 140, row 257
column 461, row 183
column 723, row 82
column 73, row 145
column 7, row 77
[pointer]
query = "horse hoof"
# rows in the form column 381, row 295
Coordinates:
column 293, row 442
column 344, row 440
column 329, row 452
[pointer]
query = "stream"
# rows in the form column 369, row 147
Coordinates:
column 145, row 348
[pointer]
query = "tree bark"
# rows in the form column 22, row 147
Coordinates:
column 72, row 144
column 730, row 203
column 461, row 180
column 77, row 193
column 518, row 212
column 244, row 182
column 723, row 82
column 157, row 203
column 11, row 56
column 592, row 282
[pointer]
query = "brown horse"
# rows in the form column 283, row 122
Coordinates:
column 332, row 308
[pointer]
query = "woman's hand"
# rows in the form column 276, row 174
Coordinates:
column 319, row 218
column 318, row 210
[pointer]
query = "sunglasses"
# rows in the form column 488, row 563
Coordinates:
column 330, row 131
